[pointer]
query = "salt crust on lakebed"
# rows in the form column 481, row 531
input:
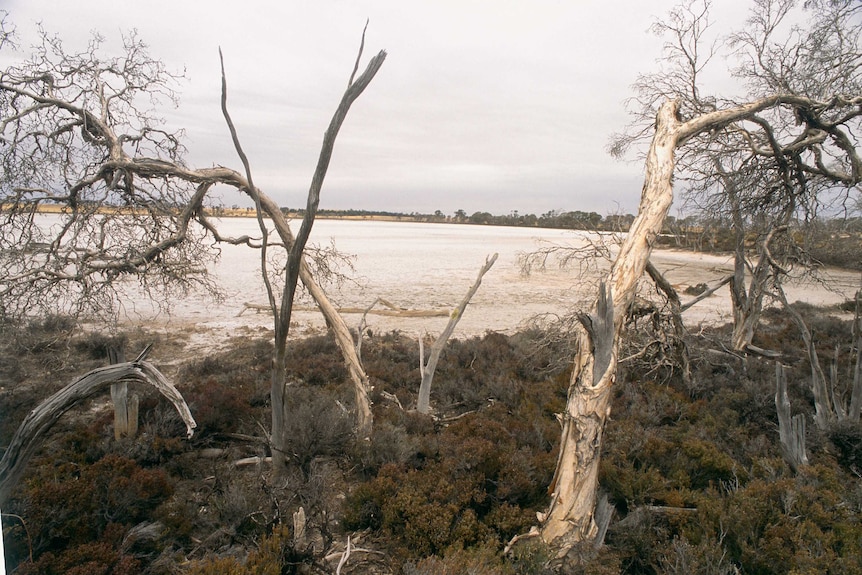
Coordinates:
column 505, row 302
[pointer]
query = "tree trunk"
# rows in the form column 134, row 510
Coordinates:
column 823, row 412
column 791, row 430
column 125, row 406
column 746, row 305
column 745, row 321
column 570, row 517
column 296, row 268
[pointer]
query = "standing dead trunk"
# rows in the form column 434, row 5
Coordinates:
column 791, row 430
column 423, row 404
column 282, row 306
column 823, row 410
column 125, row 406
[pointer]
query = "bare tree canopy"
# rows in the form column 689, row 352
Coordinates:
column 766, row 178
column 800, row 137
column 80, row 132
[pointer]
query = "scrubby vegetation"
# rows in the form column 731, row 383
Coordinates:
column 692, row 468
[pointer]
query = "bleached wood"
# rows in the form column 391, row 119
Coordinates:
column 297, row 268
column 39, row 421
column 570, row 517
column 791, row 430
column 823, row 409
column 427, row 368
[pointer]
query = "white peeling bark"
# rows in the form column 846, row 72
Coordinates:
column 570, row 517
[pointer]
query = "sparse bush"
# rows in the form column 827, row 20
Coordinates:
column 217, row 407
column 317, row 425
column 445, row 496
column 49, row 334
column 97, row 344
column 316, row 360
column 846, row 436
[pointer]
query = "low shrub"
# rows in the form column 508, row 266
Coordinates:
column 70, row 506
column 846, row 436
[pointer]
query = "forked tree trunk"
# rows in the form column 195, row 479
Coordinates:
column 296, row 268
column 745, row 321
column 745, row 304
column 570, row 517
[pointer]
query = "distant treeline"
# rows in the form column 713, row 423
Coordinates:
column 576, row 220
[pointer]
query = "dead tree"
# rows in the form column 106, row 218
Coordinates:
column 791, row 430
column 427, row 368
column 297, row 268
column 573, row 491
column 828, row 403
column 795, row 127
column 129, row 208
column 760, row 179
column 39, row 421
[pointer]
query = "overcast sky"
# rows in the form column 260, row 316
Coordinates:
column 481, row 104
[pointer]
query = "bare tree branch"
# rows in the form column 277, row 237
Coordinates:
column 427, row 368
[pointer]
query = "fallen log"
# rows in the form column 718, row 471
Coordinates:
column 391, row 312
column 39, row 421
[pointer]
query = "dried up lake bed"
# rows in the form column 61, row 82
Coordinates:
column 429, row 267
